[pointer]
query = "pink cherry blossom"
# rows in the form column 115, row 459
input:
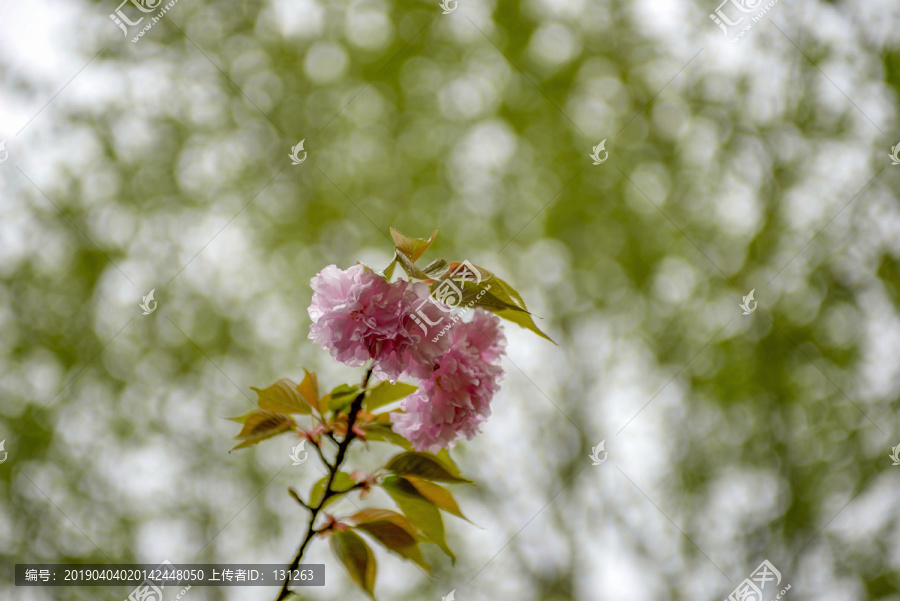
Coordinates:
column 455, row 402
column 482, row 335
column 358, row 315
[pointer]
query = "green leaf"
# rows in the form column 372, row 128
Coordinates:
column 389, row 270
column 494, row 298
column 385, row 393
column 242, row 418
column 357, row 557
column 260, row 425
column 438, row 495
column 342, row 483
column 493, row 294
column 473, row 289
column 323, row 404
column 384, row 433
column 341, row 397
column 282, row 397
column 309, row 388
column 520, row 316
column 409, row 267
column 444, row 457
column 393, row 531
column 521, row 319
column 436, row 268
column 424, row 465
column 412, row 248
column 421, row 512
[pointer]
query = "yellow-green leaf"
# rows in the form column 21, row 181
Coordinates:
column 357, row 557
column 435, row 268
column 501, row 304
column 282, row 397
column 409, row 267
column 518, row 315
column 412, row 248
column 521, row 319
column 495, row 295
column 323, row 405
column 437, row 494
column 341, row 397
column 385, row 393
column 444, row 457
column 389, row 270
column 309, row 389
column 242, row 418
column 424, row 465
column 421, row 512
column 384, row 433
column 393, row 531
column 342, row 483
column 260, row 425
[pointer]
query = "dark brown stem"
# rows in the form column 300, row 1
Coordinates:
column 333, row 470
column 321, row 455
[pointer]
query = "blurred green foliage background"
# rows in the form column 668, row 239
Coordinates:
column 732, row 438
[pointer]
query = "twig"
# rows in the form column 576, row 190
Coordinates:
column 297, row 498
column 355, row 407
column 321, row 455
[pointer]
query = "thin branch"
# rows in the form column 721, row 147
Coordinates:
column 343, row 445
column 321, row 455
column 297, row 498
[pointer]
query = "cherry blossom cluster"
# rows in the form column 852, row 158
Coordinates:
column 358, row 315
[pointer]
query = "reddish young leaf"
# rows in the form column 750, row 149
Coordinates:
column 393, row 531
